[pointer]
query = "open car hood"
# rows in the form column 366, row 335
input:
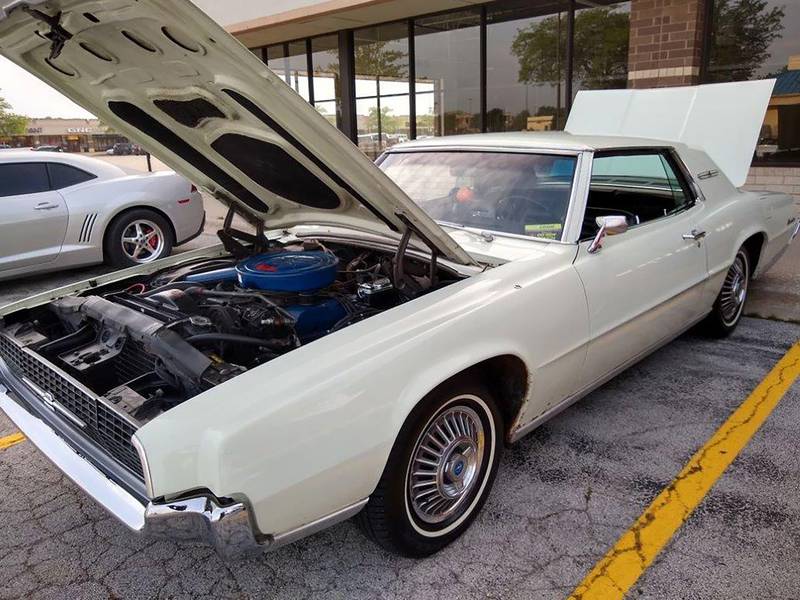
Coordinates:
column 164, row 74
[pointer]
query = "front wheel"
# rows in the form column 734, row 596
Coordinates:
column 439, row 472
column 729, row 305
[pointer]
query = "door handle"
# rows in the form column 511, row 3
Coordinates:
column 695, row 235
column 45, row 206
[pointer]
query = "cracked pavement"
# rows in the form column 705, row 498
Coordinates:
column 562, row 498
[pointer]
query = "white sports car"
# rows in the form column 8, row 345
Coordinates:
column 360, row 352
column 61, row 210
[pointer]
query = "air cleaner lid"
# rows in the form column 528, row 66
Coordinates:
column 288, row 271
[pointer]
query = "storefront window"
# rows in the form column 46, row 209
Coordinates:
column 756, row 39
column 288, row 61
column 382, row 86
column 448, row 95
column 602, row 32
column 526, row 66
column 326, row 82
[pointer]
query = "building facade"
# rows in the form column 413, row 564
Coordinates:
column 72, row 135
column 385, row 71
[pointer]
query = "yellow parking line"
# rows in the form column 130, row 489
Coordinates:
column 10, row 440
column 622, row 566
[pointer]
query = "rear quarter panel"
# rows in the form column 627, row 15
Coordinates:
column 732, row 217
column 108, row 198
column 309, row 432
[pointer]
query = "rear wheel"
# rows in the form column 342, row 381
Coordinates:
column 729, row 305
column 439, row 473
column 137, row 237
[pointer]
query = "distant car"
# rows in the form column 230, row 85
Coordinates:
column 4, row 147
column 121, row 149
column 65, row 210
column 48, row 149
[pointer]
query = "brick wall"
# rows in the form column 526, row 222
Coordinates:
column 775, row 179
column 666, row 42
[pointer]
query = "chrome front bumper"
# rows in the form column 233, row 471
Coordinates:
column 228, row 526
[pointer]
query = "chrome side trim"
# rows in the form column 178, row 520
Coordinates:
column 293, row 535
column 570, row 400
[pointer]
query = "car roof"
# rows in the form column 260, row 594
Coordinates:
column 101, row 169
column 542, row 140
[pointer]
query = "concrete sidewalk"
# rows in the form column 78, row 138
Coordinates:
column 776, row 294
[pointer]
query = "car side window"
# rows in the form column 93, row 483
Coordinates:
column 18, row 179
column 642, row 186
column 62, row 176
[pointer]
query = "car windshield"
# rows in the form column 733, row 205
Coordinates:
column 520, row 193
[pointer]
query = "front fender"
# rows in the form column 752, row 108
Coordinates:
column 309, row 432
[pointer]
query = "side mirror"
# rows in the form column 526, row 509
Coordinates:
column 609, row 225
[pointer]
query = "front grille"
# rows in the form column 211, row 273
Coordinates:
column 104, row 426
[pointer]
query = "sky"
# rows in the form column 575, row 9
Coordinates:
column 33, row 98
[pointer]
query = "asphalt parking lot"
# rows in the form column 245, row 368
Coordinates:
column 564, row 496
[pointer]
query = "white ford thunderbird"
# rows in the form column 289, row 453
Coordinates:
column 379, row 335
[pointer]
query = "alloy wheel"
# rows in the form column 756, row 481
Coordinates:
column 143, row 241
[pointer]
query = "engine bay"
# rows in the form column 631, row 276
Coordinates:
column 151, row 343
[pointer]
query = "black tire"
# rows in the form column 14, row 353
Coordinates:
column 729, row 305
column 391, row 517
column 120, row 255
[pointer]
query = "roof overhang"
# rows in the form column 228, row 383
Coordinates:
column 332, row 16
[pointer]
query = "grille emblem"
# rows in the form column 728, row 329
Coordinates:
column 51, row 403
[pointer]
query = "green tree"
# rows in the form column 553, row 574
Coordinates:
column 388, row 122
column 376, row 60
column 425, row 124
column 600, row 50
column 10, row 123
column 743, row 32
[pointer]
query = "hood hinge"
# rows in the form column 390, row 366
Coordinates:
column 402, row 282
column 232, row 239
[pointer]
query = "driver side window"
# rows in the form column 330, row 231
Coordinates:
column 641, row 185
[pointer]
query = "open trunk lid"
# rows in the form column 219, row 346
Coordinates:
column 163, row 73
column 722, row 119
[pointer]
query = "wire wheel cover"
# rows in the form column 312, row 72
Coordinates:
column 446, row 464
column 734, row 290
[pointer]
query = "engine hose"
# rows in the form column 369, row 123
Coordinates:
column 251, row 295
column 178, row 285
column 232, row 337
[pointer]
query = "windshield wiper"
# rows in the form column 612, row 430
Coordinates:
column 485, row 236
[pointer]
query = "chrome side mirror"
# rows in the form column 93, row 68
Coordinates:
column 609, row 225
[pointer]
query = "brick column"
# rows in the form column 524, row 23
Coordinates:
column 666, row 42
